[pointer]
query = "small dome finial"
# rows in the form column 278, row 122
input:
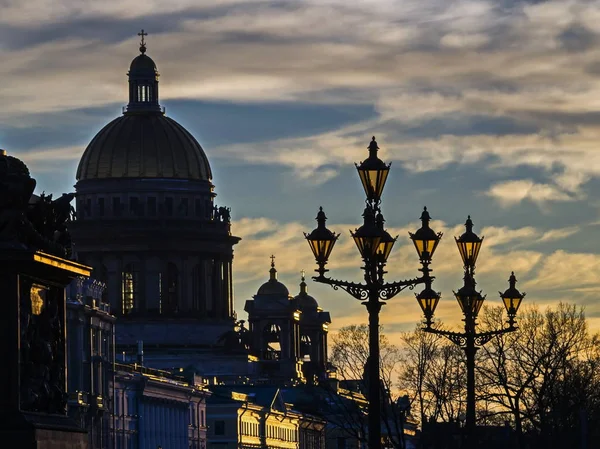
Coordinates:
column 273, row 271
column 142, row 42
column 303, row 289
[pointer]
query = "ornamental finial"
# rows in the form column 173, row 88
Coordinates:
column 273, row 271
column 142, row 42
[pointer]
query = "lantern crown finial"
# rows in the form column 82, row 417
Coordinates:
column 321, row 218
column 425, row 217
column 373, row 147
column 469, row 224
column 512, row 280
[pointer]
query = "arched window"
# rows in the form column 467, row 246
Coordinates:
column 305, row 346
column 272, row 342
column 129, row 284
column 170, row 290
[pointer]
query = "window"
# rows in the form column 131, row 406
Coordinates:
column 202, row 423
column 152, row 206
column 117, row 207
column 272, row 342
column 219, row 427
column 182, row 209
column 128, row 288
column 198, row 208
column 101, row 207
column 305, row 344
column 169, row 206
column 134, row 206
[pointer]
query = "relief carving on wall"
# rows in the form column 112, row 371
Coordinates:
column 42, row 381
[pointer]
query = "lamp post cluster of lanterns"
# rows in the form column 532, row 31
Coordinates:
column 375, row 245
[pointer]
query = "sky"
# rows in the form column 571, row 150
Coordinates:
column 488, row 108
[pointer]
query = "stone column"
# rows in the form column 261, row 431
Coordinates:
column 172, row 427
column 142, row 424
column 113, row 284
column 152, row 286
column 230, row 277
column 218, row 288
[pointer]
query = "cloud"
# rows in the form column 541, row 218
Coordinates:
column 507, row 89
column 512, row 192
column 548, row 276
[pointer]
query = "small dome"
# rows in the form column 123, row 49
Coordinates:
column 142, row 63
column 305, row 301
column 273, row 287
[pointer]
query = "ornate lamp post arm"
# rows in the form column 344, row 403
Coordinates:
column 361, row 291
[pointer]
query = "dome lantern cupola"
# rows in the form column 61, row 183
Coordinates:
column 143, row 82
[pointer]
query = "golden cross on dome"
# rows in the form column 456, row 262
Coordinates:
column 303, row 273
column 272, row 260
column 143, row 42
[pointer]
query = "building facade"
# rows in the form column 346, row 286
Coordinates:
column 255, row 416
column 156, row 409
column 90, row 359
column 148, row 225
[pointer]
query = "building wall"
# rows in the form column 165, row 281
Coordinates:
column 154, row 409
column 237, row 420
column 90, row 357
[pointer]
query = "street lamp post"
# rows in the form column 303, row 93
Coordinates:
column 470, row 301
column 374, row 244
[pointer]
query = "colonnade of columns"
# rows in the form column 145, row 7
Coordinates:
column 204, row 285
column 163, row 423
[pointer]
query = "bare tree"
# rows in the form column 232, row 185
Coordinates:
column 433, row 372
column 350, row 354
column 535, row 375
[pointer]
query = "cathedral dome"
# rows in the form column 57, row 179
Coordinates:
column 273, row 287
column 144, row 143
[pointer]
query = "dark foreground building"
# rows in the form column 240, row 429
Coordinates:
column 34, row 272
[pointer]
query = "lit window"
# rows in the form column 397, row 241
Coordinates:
column 128, row 288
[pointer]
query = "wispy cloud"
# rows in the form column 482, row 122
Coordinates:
column 548, row 277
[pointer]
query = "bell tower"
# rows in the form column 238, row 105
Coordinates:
column 274, row 321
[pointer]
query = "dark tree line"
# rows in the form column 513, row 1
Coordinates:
column 542, row 380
